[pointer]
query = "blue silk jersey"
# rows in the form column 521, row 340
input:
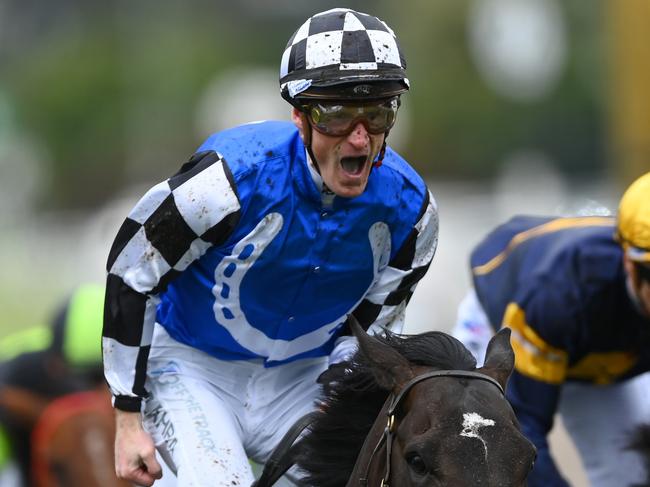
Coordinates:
column 243, row 256
column 291, row 268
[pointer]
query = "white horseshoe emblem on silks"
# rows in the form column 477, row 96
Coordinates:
column 231, row 271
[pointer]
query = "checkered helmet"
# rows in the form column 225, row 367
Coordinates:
column 342, row 54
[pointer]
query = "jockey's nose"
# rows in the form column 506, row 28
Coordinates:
column 359, row 135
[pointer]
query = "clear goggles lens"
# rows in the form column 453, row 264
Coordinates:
column 339, row 119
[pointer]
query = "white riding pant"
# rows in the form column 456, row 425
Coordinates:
column 209, row 417
column 598, row 419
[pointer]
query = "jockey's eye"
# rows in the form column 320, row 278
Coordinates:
column 416, row 463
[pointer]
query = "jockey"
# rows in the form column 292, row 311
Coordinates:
column 576, row 294
column 46, row 362
column 229, row 284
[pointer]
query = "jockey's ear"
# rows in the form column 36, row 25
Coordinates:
column 499, row 358
column 390, row 369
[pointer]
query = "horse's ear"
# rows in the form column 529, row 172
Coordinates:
column 499, row 357
column 390, row 368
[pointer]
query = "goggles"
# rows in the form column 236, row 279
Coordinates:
column 337, row 119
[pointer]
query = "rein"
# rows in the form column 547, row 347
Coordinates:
column 283, row 456
column 388, row 436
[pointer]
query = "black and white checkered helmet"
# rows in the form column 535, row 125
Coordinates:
column 342, row 54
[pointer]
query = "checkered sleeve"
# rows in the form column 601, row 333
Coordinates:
column 385, row 303
column 173, row 224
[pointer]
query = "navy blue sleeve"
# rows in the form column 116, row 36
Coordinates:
column 535, row 403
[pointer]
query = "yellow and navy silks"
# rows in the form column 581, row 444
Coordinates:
column 560, row 285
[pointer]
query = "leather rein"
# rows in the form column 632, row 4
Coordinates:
column 388, row 436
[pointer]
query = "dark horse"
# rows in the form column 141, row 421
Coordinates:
column 415, row 411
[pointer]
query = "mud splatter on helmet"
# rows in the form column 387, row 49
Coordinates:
column 342, row 54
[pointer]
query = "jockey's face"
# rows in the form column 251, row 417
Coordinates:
column 344, row 161
column 640, row 283
column 644, row 295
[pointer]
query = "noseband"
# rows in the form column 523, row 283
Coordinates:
column 388, row 435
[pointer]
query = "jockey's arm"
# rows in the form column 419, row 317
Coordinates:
column 535, row 404
column 135, row 453
column 138, row 272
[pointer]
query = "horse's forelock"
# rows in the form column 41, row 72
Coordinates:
column 434, row 349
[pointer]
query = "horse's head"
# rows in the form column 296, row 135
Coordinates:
column 448, row 429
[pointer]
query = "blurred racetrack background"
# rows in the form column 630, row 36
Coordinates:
column 537, row 106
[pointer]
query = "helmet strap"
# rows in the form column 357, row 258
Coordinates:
column 313, row 159
column 307, row 136
column 382, row 152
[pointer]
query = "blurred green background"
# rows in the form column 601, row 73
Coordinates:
column 99, row 100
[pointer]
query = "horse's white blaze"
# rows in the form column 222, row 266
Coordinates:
column 472, row 422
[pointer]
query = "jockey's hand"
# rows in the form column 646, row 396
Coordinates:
column 135, row 453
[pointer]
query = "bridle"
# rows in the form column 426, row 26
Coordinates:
column 388, row 436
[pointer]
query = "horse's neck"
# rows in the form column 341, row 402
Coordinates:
column 362, row 469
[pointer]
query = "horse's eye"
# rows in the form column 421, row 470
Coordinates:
column 416, row 463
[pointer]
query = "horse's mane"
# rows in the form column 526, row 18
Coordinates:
column 353, row 400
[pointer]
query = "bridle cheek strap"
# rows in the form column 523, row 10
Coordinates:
column 388, row 435
column 389, row 449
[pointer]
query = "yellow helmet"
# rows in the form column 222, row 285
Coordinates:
column 633, row 222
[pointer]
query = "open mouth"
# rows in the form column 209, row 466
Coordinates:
column 353, row 165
